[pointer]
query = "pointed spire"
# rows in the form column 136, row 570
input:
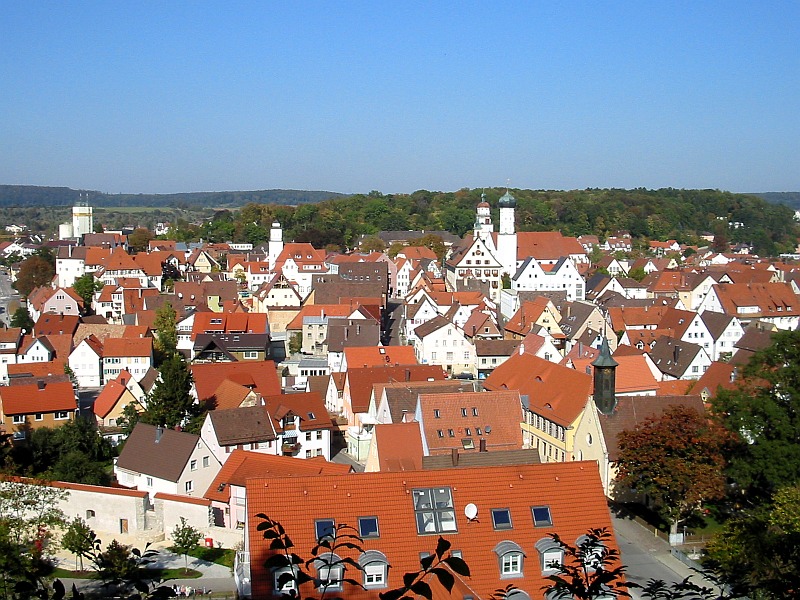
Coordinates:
column 604, row 359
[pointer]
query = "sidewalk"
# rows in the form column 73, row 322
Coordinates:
column 216, row 578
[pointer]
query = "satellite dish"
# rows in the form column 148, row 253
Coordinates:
column 471, row 511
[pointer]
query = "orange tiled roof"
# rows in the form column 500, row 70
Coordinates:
column 243, row 465
column 373, row 356
column 399, row 446
column 491, row 416
column 31, row 398
column 259, row 374
column 558, row 392
column 122, row 347
column 361, row 380
column 572, row 491
column 108, row 398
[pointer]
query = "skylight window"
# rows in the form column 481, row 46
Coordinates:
column 541, row 516
column 368, row 527
column 324, row 528
column 501, row 518
column 433, row 509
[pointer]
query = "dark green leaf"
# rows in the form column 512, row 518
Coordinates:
column 445, row 577
column 442, row 546
column 458, row 565
column 421, row 588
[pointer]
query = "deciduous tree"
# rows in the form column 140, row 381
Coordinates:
column 34, row 272
column 676, row 460
column 78, row 539
column 86, row 286
column 185, row 538
column 171, row 403
column 764, row 413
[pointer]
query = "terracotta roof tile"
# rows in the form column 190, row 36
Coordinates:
column 560, row 392
column 399, row 446
column 33, row 398
column 572, row 491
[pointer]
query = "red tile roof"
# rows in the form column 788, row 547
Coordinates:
column 373, row 356
column 243, row 465
column 360, row 380
column 30, row 399
column 259, row 374
column 399, row 446
column 129, row 346
column 494, row 417
column 572, row 491
column 559, row 392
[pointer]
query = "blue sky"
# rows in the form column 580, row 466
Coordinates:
column 160, row 97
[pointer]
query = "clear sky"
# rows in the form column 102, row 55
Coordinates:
column 178, row 96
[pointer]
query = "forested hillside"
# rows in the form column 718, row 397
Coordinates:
column 646, row 214
column 29, row 195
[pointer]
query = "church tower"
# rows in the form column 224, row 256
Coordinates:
column 483, row 219
column 605, row 379
column 275, row 244
column 507, row 237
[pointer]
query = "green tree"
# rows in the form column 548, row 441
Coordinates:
column 21, row 318
column 35, row 271
column 764, row 415
column 372, row 244
column 758, row 551
column 638, row 273
column 296, row 343
column 139, row 239
column 78, row 539
column 166, row 342
column 28, row 514
column 676, row 460
column 185, row 539
column 86, row 286
column 170, row 403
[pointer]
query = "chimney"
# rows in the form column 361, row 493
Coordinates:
column 159, row 433
column 734, row 374
column 454, row 456
column 408, row 374
column 482, row 446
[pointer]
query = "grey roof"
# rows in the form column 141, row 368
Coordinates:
column 495, row 347
column 429, row 327
column 672, row 356
column 716, row 322
column 163, row 456
column 496, row 458
column 232, row 342
column 243, row 425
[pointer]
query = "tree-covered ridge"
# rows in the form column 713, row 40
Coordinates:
column 31, row 195
column 653, row 214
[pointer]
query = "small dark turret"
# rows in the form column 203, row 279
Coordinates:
column 605, row 369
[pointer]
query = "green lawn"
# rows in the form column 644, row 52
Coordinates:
column 221, row 556
column 162, row 574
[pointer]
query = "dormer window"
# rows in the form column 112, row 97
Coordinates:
column 324, row 528
column 551, row 555
column 501, row 518
column 510, row 557
column 330, row 572
column 375, row 569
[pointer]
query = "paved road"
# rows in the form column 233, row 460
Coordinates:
column 7, row 294
column 647, row 556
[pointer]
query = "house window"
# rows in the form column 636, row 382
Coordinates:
column 551, row 555
column 61, row 415
column 541, row 516
column 189, row 486
column 440, row 433
column 193, row 465
column 251, row 354
column 324, row 528
column 437, row 413
column 463, row 412
column 510, row 556
column 375, row 568
column 468, row 444
column 329, row 572
column 39, row 416
column 205, row 462
column 501, row 518
column 90, row 514
column 285, row 583
column 451, row 433
column 18, row 419
column 434, row 510
column 149, row 482
column 474, row 411
column 368, row 527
